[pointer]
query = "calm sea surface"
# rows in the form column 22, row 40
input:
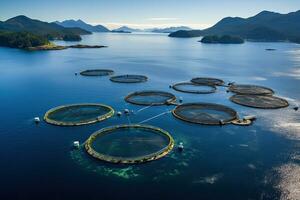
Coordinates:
column 261, row 161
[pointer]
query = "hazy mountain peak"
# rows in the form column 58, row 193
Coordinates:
column 83, row 25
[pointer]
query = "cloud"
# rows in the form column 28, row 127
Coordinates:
column 162, row 19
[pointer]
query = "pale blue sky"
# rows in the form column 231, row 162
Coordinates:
column 142, row 13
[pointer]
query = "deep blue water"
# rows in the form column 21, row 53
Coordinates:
column 230, row 162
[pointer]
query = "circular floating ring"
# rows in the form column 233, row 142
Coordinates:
column 188, row 87
column 250, row 89
column 149, row 97
column 208, row 81
column 97, row 72
column 260, row 101
column 205, row 113
column 130, row 78
column 78, row 114
column 141, row 143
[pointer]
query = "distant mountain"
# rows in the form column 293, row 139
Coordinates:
column 265, row 26
column 50, row 30
column 81, row 24
column 126, row 29
column 170, row 29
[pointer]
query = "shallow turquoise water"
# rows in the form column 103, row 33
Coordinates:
column 228, row 162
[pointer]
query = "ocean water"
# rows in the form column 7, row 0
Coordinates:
column 261, row 161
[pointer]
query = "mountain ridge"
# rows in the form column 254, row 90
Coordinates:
column 83, row 25
column 264, row 26
column 23, row 23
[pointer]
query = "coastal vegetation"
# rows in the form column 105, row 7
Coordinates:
column 21, row 40
column 224, row 39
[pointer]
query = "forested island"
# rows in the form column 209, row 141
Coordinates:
column 29, row 41
column 224, row 39
column 264, row 27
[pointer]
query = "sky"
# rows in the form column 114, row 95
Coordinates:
column 197, row 14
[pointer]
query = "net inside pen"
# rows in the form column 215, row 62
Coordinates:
column 130, row 78
column 208, row 81
column 129, row 144
column 97, row 72
column 250, row 89
column 260, row 101
column 205, row 113
column 78, row 114
column 194, row 88
column 150, row 98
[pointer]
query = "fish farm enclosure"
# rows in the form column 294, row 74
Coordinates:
column 150, row 116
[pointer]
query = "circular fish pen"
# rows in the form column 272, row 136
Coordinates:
column 259, row 101
column 129, row 144
column 148, row 97
column 205, row 113
column 188, row 87
column 78, row 114
column 250, row 89
column 129, row 78
column 97, row 72
column 207, row 81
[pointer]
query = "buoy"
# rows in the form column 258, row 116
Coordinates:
column 76, row 144
column 119, row 113
column 221, row 122
column 250, row 117
column 296, row 108
column 75, row 73
column 126, row 111
column 180, row 99
column 227, row 91
column 170, row 86
column 37, row 120
column 180, row 146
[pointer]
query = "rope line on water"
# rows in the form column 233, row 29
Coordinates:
column 143, row 108
column 146, row 120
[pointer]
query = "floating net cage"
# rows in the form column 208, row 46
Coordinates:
column 97, row 72
column 205, row 113
column 259, row 101
column 188, row 87
column 130, row 78
column 250, row 89
column 208, row 81
column 129, row 144
column 148, row 98
column 78, row 114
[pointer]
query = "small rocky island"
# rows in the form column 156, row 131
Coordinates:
column 224, row 39
column 52, row 46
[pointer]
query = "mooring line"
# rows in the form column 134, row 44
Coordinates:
column 146, row 120
column 129, row 121
column 143, row 108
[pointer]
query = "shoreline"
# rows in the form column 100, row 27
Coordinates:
column 51, row 46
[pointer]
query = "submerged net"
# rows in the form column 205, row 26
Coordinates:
column 148, row 98
column 78, row 114
column 250, row 89
column 208, row 81
column 205, row 113
column 129, row 144
column 130, row 78
column 97, row 72
column 260, row 101
column 194, row 88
